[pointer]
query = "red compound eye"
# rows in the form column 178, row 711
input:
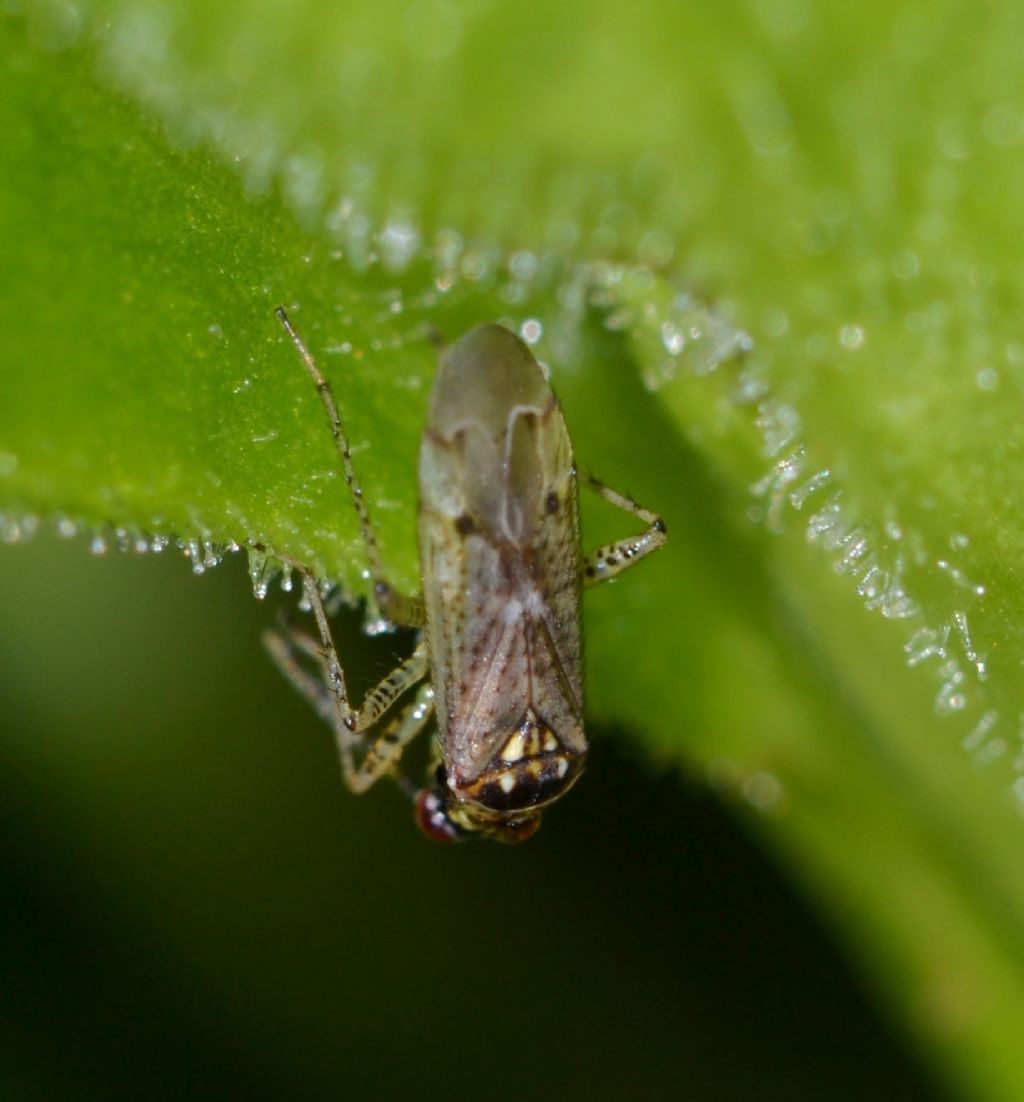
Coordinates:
column 432, row 817
column 516, row 832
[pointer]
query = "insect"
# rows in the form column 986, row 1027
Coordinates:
column 497, row 661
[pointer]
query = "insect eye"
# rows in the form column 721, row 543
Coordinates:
column 432, row 817
column 515, row 832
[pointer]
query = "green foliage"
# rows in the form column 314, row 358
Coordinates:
column 833, row 633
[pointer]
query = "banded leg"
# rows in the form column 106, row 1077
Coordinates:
column 328, row 693
column 613, row 558
column 385, row 750
column 288, row 641
column 351, row 725
column 380, row 752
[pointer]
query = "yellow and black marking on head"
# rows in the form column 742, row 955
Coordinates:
column 530, row 769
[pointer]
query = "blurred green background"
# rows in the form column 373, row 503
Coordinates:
column 770, row 251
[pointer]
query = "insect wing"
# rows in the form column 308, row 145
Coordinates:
column 499, row 539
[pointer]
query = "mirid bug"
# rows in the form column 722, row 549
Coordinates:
column 498, row 657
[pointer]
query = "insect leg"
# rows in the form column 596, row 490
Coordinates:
column 392, row 606
column 288, row 642
column 613, row 558
column 351, row 725
column 384, row 694
column 283, row 645
column 385, row 750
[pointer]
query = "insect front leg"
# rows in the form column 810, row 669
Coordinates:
column 613, row 558
column 353, row 726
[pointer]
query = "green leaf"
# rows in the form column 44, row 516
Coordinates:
column 772, row 257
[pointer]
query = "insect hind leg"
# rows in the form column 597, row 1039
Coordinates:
column 613, row 558
column 365, row 757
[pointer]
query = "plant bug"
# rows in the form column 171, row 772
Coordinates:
column 498, row 656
